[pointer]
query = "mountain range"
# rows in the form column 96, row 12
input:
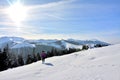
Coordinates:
column 18, row 42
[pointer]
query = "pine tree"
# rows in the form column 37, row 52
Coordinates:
column 38, row 57
column 3, row 58
column 29, row 59
column 52, row 53
column 85, row 47
column 98, row 45
column 34, row 58
column 20, row 60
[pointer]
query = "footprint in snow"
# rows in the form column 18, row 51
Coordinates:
column 113, row 65
column 98, row 79
column 99, row 65
column 92, row 58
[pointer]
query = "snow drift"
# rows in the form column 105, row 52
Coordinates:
column 93, row 64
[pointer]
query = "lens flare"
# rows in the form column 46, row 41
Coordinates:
column 17, row 12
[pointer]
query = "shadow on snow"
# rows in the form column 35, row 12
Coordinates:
column 49, row 64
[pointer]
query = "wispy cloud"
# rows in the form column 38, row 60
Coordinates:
column 53, row 10
column 48, row 11
column 52, row 4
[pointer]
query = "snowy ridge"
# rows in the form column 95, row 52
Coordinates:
column 82, row 42
column 70, row 43
column 9, row 41
column 15, row 39
column 94, row 64
column 60, row 44
column 24, row 44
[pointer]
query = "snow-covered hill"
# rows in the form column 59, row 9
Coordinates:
column 94, row 64
column 59, row 44
column 10, row 41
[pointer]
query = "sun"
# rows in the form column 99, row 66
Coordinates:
column 17, row 12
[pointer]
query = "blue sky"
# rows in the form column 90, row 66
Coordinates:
column 62, row 19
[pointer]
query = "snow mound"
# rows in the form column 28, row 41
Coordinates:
column 94, row 64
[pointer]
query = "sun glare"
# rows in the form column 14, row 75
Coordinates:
column 17, row 12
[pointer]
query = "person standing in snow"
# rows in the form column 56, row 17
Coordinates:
column 43, row 55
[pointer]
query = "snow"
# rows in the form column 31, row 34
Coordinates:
column 14, row 39
column 88, row 42
column 69, row 45
column 9, row 41
column 5, row 42
column 17, row 42
column 93, row 64
column 62, row 44
column 23, row 44
column 59, row 44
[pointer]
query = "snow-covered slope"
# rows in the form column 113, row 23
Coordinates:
column 94, row 64
column 88, row 42
column 23, row 44
column 9, row 41
column 70, row 43
column 59, row 44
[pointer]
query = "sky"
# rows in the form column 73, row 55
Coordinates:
column 61, row 19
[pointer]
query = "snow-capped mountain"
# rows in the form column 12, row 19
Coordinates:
column 82, row 42
column 93, row 64
column 9, row 41
column 59, row 44
column 15, row 39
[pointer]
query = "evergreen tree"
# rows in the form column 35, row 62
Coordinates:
column 65, row 52
column 98, row 45
column 53, row 52
column 20, row 60
column 3, row 58
column 85, row 47
column 38, row 56
column 29, row 59
column 34, row 58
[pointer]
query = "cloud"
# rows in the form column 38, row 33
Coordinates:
column 53, row 10
column 9, row 24
column 48, row 11
column 52, row 4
